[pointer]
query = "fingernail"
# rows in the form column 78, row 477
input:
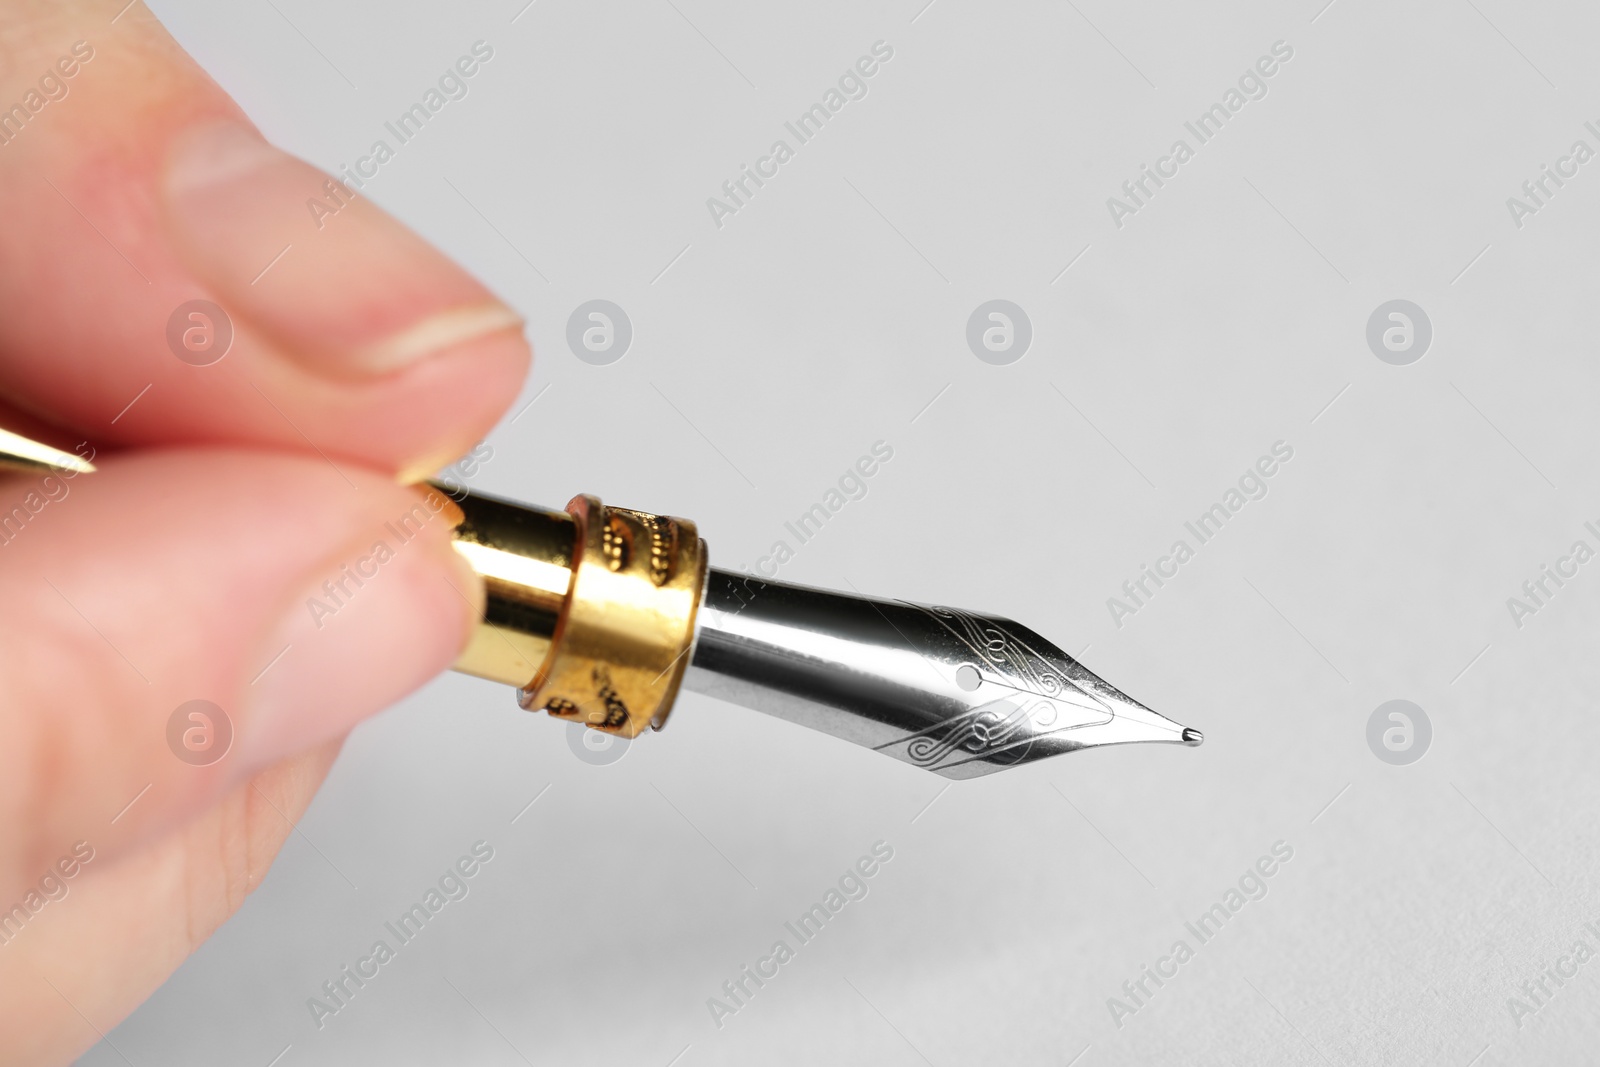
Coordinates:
column 311, row 264
column 442, row 332
column 373, row 624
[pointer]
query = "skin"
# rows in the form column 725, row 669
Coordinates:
column 224, row 498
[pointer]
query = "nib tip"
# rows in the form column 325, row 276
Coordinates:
column 1192, row 737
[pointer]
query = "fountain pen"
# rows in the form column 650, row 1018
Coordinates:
column 601, row 615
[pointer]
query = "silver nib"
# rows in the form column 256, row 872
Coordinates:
column 950, row 691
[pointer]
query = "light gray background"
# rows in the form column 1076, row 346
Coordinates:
column 1230, row 313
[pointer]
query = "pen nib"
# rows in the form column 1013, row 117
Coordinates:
column 951, row 691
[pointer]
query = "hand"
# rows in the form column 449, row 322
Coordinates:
column 189, row 566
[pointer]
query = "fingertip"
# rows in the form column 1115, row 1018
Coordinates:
column 375, row 620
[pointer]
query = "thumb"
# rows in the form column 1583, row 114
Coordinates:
column 179, row 620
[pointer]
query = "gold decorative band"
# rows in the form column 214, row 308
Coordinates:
column 590, row 613
column 624, row 636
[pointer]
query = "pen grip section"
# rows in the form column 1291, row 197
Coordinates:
column 525, row 557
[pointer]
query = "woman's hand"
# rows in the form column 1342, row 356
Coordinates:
column 246, row 541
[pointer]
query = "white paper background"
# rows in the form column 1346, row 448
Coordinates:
column 1223, row 317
